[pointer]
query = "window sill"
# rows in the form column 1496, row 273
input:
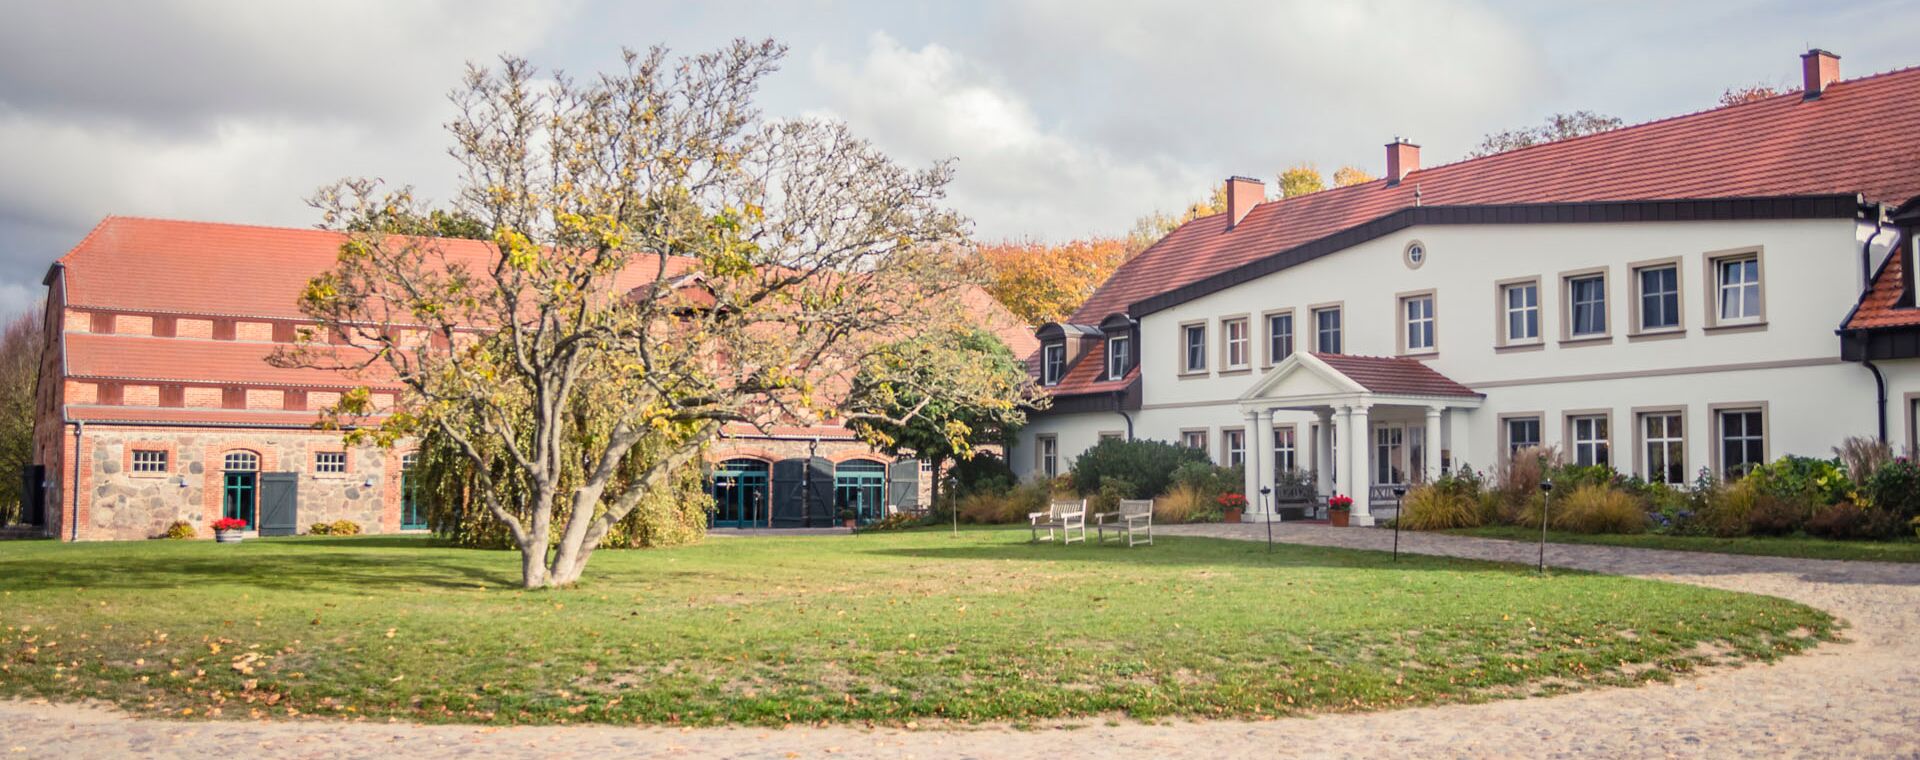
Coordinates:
column 1514, row 348
column 1236, row 371
column 1420, row 355
column 1661, row 334
column 1586, row 340
column 1737, row 327
column 1191, row 374
column 150, row 475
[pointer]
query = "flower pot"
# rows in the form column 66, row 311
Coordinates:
column 1339, row 517
column 228, row 536
column 1231, row 515
column 849, row 524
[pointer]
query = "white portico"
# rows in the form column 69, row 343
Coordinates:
column 1365, row 404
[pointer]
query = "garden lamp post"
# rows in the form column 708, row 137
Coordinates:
column 1399, row 511
column 1546, row 501
column 1266, row 491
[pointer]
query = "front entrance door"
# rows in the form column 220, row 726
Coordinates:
column 241, row 470
column 279, row 503
column 413, row 513
column 740, row 494
column 1399, row 453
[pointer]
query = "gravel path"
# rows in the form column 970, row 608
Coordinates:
column 1858, row 699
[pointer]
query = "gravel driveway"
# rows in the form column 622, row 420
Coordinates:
column 1857, row 699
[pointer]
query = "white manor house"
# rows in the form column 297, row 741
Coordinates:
column 1709, row 291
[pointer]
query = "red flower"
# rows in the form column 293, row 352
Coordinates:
column 229, row 523
column 1340, row 501
column 1232, row 500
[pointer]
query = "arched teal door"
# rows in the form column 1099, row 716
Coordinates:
column 413, row 513
column 861, row 486
column 740, row 494
column 240, row 492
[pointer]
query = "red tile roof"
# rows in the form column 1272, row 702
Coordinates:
column 197, row 416
column 1857, row 137
column 1395, row 375
column 1879, row 305
column 178, row 360
column 1089, row 375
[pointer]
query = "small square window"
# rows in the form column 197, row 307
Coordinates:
column 1279, row 337
column 1417, row 331
column 1119, row 356
column 1659, row 288
column 1053, row 363
column 1739, row 288
column 1326, row 324
column 1522, row 305
column 1195, row 337
column 1238, row 342
column 1591, row 440
column 148, row 461
column 1522, row 433
column 330, row 462
column 1194, row 439
column 1587, row 306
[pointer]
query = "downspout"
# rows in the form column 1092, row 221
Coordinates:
column 1119, row 405
column 73, row 531
column 1866, row 360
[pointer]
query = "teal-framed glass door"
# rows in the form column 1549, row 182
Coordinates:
column 740, row 494
column 861, row 485
column 240, row 491
column 413, row 513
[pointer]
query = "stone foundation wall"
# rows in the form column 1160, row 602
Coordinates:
column 119, row 504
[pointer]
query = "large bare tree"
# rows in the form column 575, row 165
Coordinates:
column 658, row 253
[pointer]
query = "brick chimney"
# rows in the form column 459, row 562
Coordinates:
column 1818, row 68
column 1243, row 193
column 1403, row 158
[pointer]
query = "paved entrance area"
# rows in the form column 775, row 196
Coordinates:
column 1855, row 699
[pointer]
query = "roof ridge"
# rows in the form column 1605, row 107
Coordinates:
column 1654, row 122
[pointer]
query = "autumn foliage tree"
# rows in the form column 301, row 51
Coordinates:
column 1559, row 126
column 20, row 347
column 1042, row 283
column 659, row 257
column 1734, row 96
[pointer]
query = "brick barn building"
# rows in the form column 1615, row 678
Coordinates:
column 156, row 402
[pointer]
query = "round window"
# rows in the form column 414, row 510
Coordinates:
column 1416, row 254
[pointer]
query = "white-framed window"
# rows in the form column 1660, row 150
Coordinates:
column 1194, row 439
column 330, row 462
column 1279, row 337
column 1119, row 356
column 1591, row 439
column 1522, row 432
column 1417, row 310
column 1743, row 441
column 1194, row 338
column 1521, row 303
column 1286, row 454
column 1664, row 447
column 1738, row 285
column 1234, row 441
column 1238, row 342
column 1111, row 435
column 149, row 461
column 1659, row 289
column 1587, row 305
column 1047, row 451
column 1053, row 363
column 1326, row 328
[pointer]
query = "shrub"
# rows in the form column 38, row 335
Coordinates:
column 1184, row 504
column 1011, row 507
column 1148, row 465
column 345, row 528
column 1442, row 505
column 1776, row 516
column 319, row 529
column 1208, row 479
column 1844, row 520
column 1728, row 511
column 180, row 529
column 1809, row 483
column 1895, row 489
column 1518, row 495
column 1112, row 490
column 985, row 472
column 896, row 521
column 1599, row 509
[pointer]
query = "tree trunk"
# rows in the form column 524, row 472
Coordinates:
column 933, row 498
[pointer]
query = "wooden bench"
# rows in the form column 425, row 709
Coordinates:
column 1133, row 518
column 1294, row 502
column 1064, row 516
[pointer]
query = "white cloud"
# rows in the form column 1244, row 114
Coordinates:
column 1018, row 175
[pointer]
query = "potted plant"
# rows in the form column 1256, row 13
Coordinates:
column 227, row 530
column 1231, row 505
column 848, row 516
column 1339, row 509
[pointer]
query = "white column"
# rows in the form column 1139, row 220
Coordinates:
column 1323, row 453
column 1432, row 449
column 1362, row 454
column 1260, row 453
column 1250, row 467
column 1343, row 439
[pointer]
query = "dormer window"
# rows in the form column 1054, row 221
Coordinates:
column 1053, row 363
column 1119, row 356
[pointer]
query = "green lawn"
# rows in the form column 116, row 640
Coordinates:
column 894, row 628
column 1902, row 550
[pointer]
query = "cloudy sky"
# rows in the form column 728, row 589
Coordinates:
column 1067, row 118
